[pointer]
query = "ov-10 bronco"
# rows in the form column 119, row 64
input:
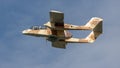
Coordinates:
column 56, row 32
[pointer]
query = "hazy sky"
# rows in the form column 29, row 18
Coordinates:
column 20, row 51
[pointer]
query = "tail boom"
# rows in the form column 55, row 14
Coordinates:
column 76, row 40
column 89, row 39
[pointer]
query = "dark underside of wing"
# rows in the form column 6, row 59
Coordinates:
column 60, row 41
column 59, row 44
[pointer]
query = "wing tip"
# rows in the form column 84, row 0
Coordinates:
column 56, row 11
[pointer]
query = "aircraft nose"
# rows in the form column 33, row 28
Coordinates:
column 24, row 32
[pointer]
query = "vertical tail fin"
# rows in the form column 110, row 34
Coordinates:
column 95, row 22
column 92, row 36
column 96, row 25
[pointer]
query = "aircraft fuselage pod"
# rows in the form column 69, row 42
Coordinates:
column 47, row 32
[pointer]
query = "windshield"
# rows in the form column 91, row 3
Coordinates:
column 37, row 27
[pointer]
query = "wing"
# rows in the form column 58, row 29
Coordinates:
column 56, row 17
column 57, row 21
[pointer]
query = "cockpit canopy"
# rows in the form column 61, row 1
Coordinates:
column 37, row 27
